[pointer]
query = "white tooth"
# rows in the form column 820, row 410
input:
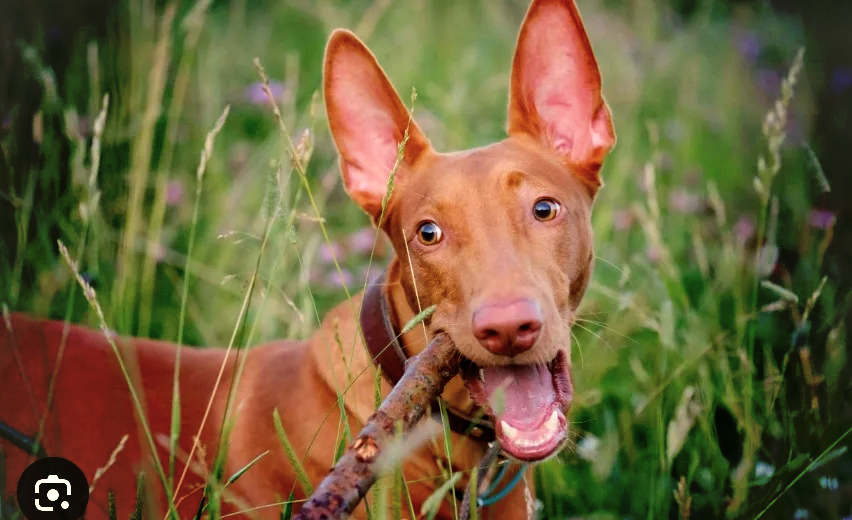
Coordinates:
column 482, row 375
column 510, row 432
column 552, row 422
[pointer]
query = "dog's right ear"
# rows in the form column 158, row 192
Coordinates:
column 367, row 121
column 555, row 93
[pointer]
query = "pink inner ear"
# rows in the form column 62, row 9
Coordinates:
column 370, row 148
column 367, row 130
column 367, row 120
column 367, row 169
column 559, row 85
column 572, row 129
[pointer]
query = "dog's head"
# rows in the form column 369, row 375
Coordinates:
column 498, row 237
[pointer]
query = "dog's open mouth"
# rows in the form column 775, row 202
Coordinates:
column 527, row 404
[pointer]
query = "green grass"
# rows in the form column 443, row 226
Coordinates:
column 234, row 251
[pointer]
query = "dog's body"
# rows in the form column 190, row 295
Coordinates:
column 92, row 411
column 499, row 238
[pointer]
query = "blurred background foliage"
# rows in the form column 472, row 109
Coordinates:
column 711, row 365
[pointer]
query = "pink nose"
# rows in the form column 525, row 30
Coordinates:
column 508, row 329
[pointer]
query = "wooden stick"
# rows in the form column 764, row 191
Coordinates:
column 357, row 470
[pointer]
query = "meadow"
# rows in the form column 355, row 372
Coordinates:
column 697, row 395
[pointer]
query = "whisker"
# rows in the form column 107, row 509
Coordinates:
column 590, row 331
column 577, row 342
column 606, row 328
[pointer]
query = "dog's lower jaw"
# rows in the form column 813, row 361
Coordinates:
column 537, row 444
column 528, row 404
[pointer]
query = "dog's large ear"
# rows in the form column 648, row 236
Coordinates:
column 555, row 94
column 367, row 120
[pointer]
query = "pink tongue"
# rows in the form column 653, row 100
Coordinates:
column 525, row 396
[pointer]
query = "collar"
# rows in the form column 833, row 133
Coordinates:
column 387, row 353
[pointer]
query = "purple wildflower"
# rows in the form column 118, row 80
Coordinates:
column 821, row 219
column 744, row 229
column 795, row 133
column 841, row 79
column 361, row 242
column 174, row 193
column 328, row 252
column 653, row 253
column 623, row 219
column 338, row 279
column 684, row 202
column 749, row 46
column 256, row 94
column 370, row 274
column 89, row 278
column 769, row 82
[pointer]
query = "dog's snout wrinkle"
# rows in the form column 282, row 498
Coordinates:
column 508, row 329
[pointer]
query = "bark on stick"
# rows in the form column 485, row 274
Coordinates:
column 357, row 470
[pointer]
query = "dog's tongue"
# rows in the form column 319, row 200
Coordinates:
column 526, row 403
column 521, row 395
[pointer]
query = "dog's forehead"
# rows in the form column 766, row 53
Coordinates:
column 489, row 163
column 481, row 177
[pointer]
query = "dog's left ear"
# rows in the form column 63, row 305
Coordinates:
column 367, row 120
column 555, row 94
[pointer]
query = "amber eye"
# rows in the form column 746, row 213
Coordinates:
column 546, row 209
column 429, row 233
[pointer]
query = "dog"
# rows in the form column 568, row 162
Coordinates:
column 498, row 238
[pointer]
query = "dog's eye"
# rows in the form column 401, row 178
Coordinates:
column 546, row 209
column 429, row 233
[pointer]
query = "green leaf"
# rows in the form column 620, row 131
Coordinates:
column 341, row 449
column 287, row 510
column 240, row 472
column 828, row 457
column 432, row 504
column 301, row 474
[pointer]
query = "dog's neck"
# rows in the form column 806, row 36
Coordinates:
column 401, row 313
column 414, row 341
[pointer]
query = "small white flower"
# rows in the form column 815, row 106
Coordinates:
column 762, row 469
column 587, row 448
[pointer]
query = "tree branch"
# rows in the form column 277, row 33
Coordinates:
column 357, row 470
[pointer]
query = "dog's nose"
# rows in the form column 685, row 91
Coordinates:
column 508, row 329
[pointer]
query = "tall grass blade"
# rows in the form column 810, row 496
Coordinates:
column 301, row 474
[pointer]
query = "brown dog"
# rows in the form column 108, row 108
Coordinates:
column 499, row 238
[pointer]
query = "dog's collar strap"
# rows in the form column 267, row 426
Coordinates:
column 387, row 353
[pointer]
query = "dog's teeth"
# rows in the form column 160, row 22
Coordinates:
column 510, row 432
column 544, row 434
column 482, row 375
column 552, row 422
